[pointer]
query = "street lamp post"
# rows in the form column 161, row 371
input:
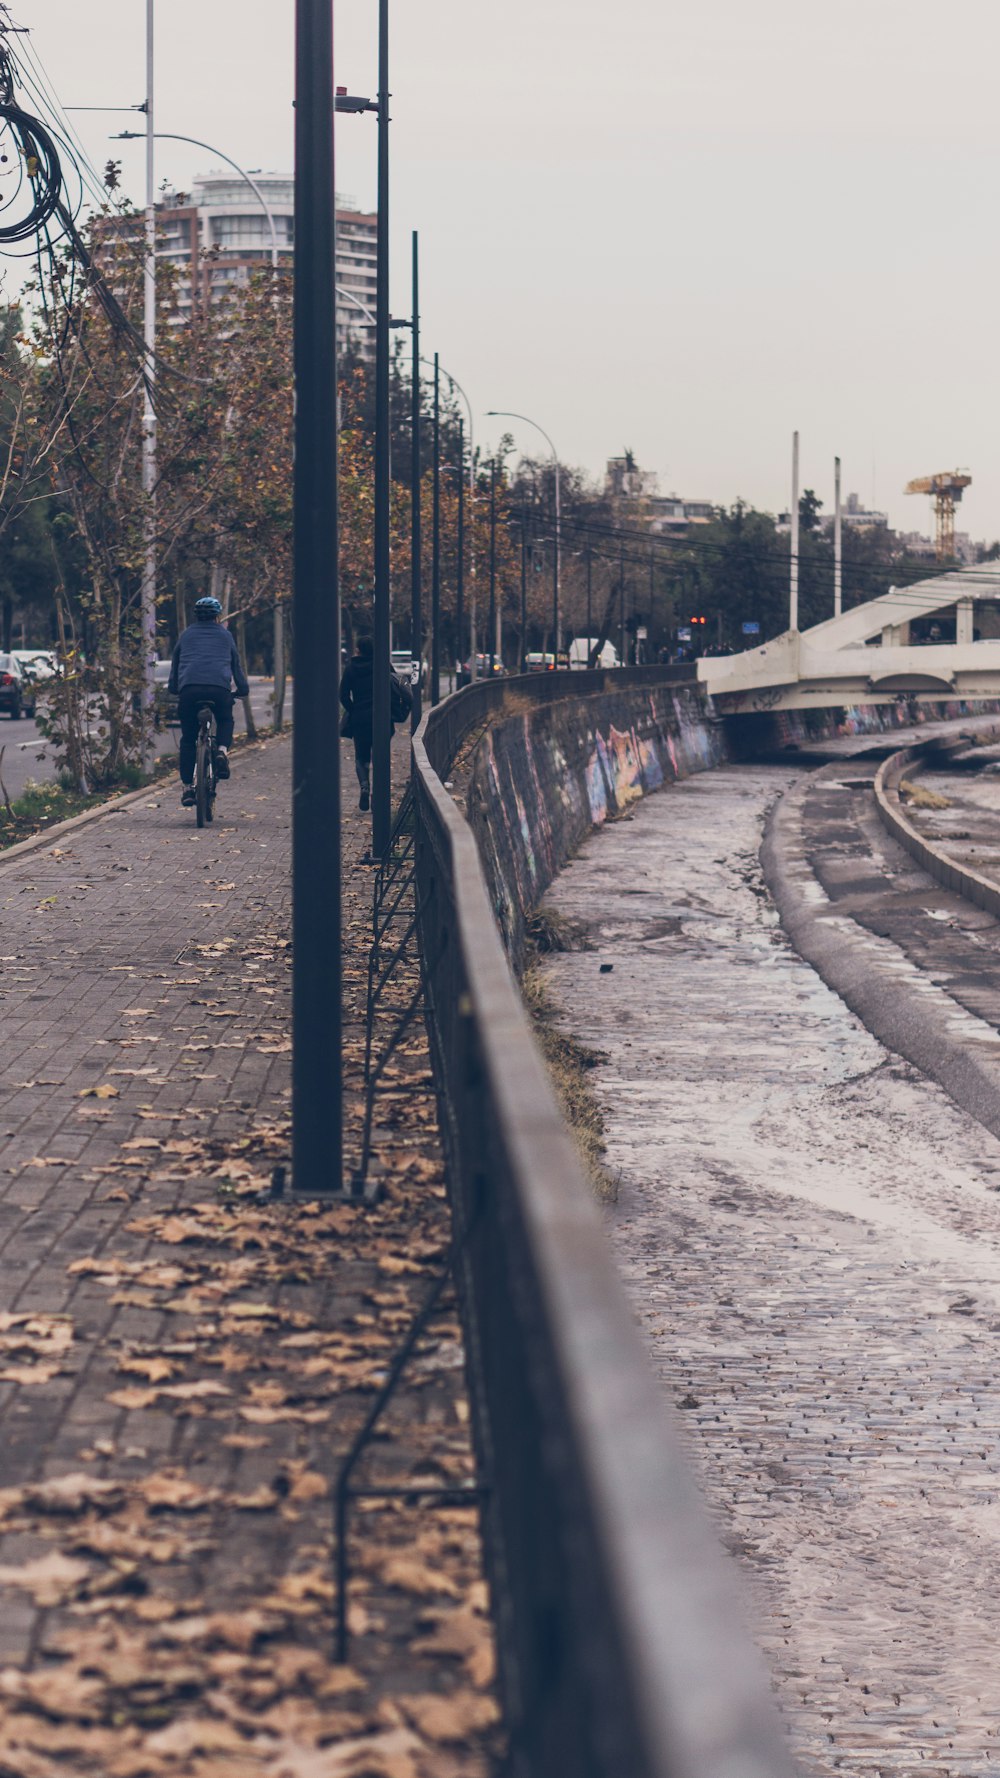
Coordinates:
column 171, row 136
column 493, row 565
column 317, row 1080
column 436, row 545
column 149, row 438
column 524, row 580
column 416, row 565
column 381, row 703
column 460, row 563
column 505, row 414
column 196, row 142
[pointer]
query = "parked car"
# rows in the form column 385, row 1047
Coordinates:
column 15, row 696
column 582, row 647
column 164, row 702
column 464, row 674
column 405, row 667
column 38, row 666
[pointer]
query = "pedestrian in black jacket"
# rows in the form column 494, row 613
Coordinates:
column 357, row 697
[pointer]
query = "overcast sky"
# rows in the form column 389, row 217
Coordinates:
column 685, row 229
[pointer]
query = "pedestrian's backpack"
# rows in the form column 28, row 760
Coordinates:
column 400, row 699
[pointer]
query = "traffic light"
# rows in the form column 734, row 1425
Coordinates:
column 697, row 620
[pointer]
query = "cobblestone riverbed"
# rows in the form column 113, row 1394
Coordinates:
column 810, row 1232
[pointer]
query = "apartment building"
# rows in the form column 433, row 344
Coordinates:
column 218, row 234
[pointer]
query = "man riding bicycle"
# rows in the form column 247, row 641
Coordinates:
column 206, row 664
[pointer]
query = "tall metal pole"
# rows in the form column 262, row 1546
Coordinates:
column 416, row 568
column 436, row 545
column 381, row 707
column 621, row 605
column 793, row 596
column 149, row 473
column 557, row 570
column 590, row 632
column 493, row 566
column 838, row 544
column 460, row 564
column 317, row 1112
column 524, row 583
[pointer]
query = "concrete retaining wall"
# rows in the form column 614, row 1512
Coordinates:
column 544, row 776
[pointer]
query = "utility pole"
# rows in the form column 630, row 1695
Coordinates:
column 493, row 566
column 381, row 707
column 590, row 632
column 460, row 564
column 524, row 583
column 838, row 544
column 317, row 1082
column 436, row 544
column 416, row 616
column 621, row 605
column 793, row 596
column 557, row 565
column 149, row 441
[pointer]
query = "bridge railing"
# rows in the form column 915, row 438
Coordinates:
column 621, row 1653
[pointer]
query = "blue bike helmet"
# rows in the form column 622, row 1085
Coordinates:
column 207, row 608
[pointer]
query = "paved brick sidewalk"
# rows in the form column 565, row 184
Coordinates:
column 181, row 1365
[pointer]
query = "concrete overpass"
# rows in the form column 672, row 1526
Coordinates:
column 865, row 656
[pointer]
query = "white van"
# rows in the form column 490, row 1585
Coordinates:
column 581, row 648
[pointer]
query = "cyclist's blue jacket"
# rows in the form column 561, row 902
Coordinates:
column 206, row 655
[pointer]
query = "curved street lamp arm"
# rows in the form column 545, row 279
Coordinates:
column 209, row 147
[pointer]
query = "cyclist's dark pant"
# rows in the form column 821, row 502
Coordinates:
column 191, row 700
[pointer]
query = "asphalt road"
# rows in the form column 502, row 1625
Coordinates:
column 27, row 757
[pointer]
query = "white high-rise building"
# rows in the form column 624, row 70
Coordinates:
column 219, row 235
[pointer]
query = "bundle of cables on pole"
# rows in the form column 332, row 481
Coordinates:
column 41, row 197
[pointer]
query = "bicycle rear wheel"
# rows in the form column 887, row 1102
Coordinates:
column 202, row 789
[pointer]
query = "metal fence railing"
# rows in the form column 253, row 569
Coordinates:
column 621, row 1653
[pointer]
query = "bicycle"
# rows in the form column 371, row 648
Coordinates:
column 204, row 766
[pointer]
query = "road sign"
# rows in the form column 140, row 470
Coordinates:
column 751, row 629
column 641, row 633
column 684, row 634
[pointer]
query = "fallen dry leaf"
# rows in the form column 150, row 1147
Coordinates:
column 50, row 1579
column 451, row 1717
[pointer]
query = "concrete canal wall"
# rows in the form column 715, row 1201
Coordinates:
column 543, row 776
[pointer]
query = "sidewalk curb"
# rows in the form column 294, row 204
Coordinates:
column 39, row 841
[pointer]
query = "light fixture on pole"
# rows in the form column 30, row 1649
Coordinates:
column 171, row 136
column 505, row 414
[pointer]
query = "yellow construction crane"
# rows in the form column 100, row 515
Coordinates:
column 946, row 490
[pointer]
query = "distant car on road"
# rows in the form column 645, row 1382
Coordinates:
column 15, row 695
column 464, row 675
column 582, row 647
